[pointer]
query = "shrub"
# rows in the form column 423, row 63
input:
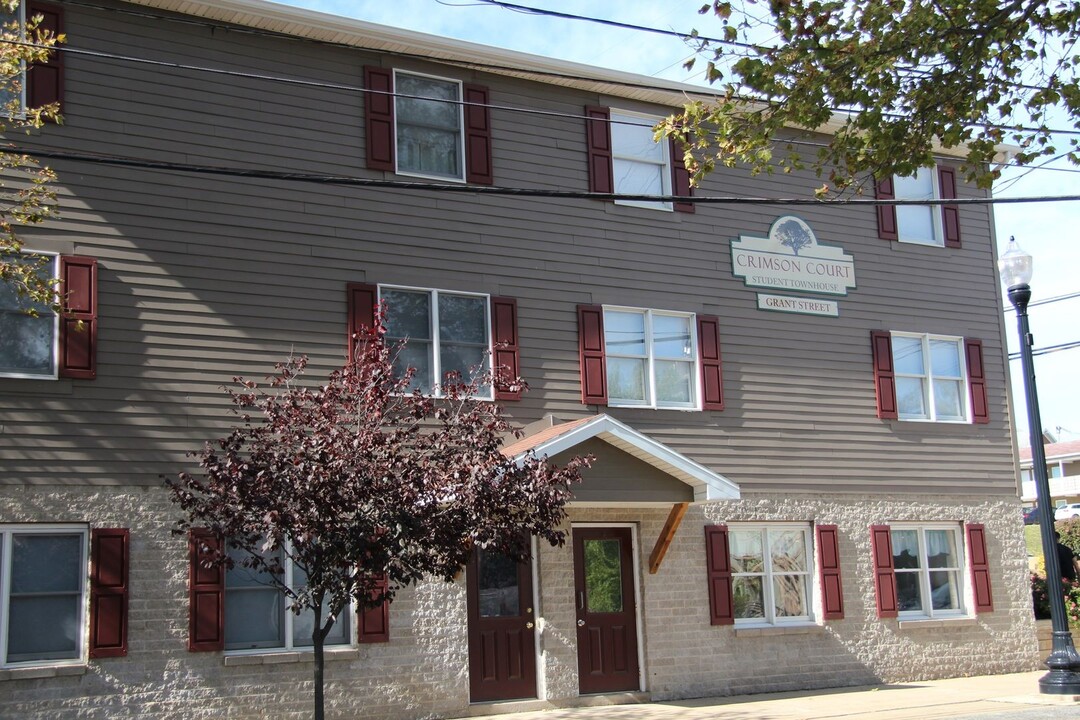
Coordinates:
column 1069, row 530
column 1040, row 601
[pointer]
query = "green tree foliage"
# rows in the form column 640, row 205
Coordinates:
column 26, row 197
column 361, row 478
column 888, row 81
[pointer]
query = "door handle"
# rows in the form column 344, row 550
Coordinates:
column 528, row 626
column 581, row 623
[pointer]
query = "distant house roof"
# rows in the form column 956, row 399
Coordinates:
column 1054, row 451
column 561, row 437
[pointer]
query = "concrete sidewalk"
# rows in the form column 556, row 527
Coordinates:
column 993, row 697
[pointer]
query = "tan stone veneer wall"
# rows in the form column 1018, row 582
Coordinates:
column 423, row 671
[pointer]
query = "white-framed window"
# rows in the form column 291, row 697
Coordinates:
column 12, row 19
column 257, row 614
column 641, row 165
column 29, row 342
column 43, row 586
column 771, row 569
column 931, row 378
column 920, row 224
column 928, row 560
column 429, row 126
column 441, row 332
column 651, row 358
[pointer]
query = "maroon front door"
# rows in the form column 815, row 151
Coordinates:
column 606, row 612
column 502, row 641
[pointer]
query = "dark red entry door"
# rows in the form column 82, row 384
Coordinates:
column 502, row 641
column 606, row 612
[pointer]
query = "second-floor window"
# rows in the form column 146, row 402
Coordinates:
column 429, row 131
column 651, row 358
column 28, row 342
column 440, row 332
column 930, row 381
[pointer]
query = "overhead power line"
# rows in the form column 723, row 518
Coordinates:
column 1048, row 349
column 1049, row 300
column 354, row 181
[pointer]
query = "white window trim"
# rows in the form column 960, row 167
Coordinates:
column 928, row 612
column 812, row 592
column 651, row 402
column 461, row 128
column 54, row 272
column 665, row 169
column 6, row 533
column 21, row 114
column 436, row 361
column 287, row 630
column 928, row 386
column 935, row 213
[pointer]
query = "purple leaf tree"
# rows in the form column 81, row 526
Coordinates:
column 360, row 479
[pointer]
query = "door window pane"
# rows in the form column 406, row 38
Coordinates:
column 603, row 576
column 498, row 585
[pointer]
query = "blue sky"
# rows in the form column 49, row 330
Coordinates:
column 1050, row 231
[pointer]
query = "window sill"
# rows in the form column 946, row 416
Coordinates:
column 281, row 657
column 934, row 623
column 768, row 630
column 37, row 673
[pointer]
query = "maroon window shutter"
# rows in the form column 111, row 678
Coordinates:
column 980, row 568
column 680, row 178
column 108, row 592
column 504, row 335
column 980, row 407
column 712, row 386
column 78, row 348
column 45, row 81
column 478, row 169
column 950, row 214
column 832, row 587
column 362, row 300
column 591, row 353
column 598, row 137
column 884, row 572
column 206, row 593
column 718, row 570
column 884, row 374
column 379, row 118
column 373, row 624
column 886, row 214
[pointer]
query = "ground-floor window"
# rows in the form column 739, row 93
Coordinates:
column 43, row 583
column 770, row 573
column 928, row 559
column 257, row 613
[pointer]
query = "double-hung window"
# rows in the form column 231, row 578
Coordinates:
column 930, row 377
column 771, row 573
column 28, row 331
column 429, row 126
column 641, row 165
column 919, row 224
column 257, row 614
column 928, row 562
column 651, row 358
column 439, row 332
column 43, row 585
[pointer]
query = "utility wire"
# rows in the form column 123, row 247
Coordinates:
column 354, row 181
column 1048, row 349
column 1047, row 301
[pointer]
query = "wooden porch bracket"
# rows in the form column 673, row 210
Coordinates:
column 674, row 519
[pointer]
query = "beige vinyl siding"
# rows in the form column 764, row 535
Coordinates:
column 203, row 278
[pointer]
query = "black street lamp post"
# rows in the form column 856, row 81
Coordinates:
column 1015, row 266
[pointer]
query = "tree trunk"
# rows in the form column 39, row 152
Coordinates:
column 317, row 637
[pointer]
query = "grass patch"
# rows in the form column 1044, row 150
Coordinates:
column 1033, row 540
